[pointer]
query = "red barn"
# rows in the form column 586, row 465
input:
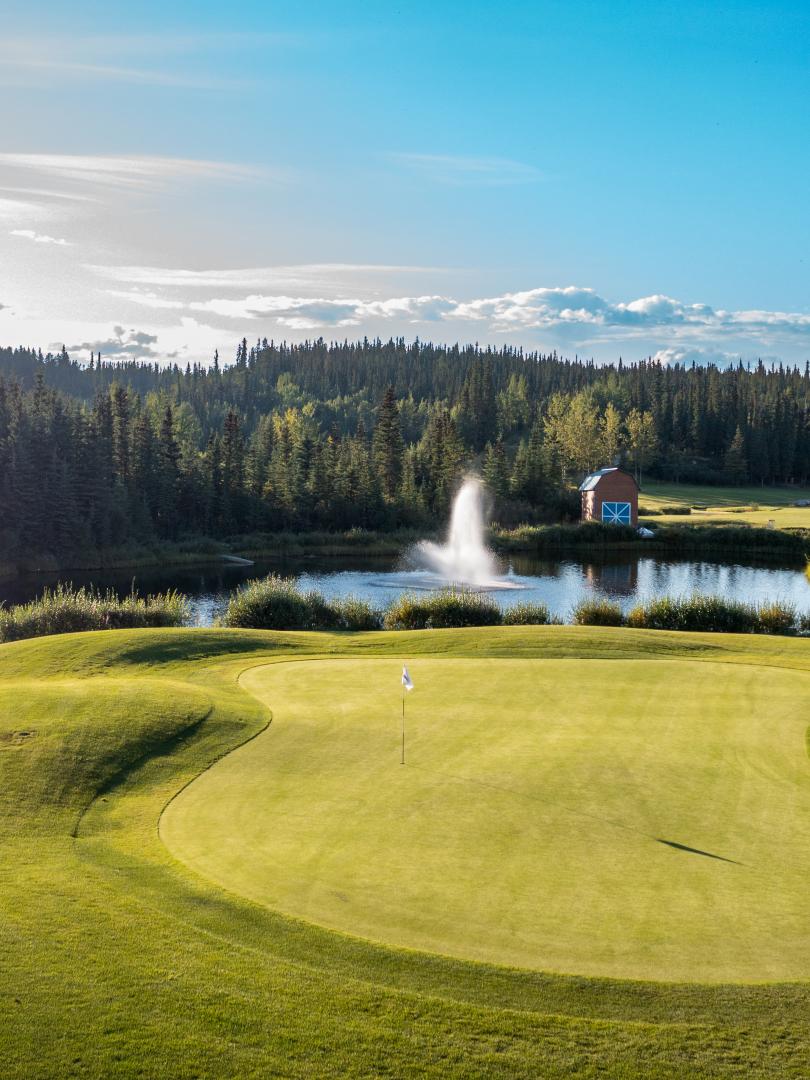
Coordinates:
column 610, row 496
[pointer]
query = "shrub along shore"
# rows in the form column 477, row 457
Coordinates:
column 777, row 544
column 277, row 603
column 65, row 610
column 781, row 545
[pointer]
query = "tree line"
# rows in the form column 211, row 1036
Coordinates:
column 370, row 434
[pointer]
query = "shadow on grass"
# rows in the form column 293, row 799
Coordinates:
column 198, row 646
column 696, row 851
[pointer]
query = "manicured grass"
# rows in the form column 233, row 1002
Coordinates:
column 735, row 505
column 535, row 823
column 119, row 961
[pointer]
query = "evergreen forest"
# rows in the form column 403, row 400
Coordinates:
column 367, row 435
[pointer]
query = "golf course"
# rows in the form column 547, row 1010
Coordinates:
column 593, row 861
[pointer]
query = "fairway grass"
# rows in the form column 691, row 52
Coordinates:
column 726, row 505
column 638, row 819
column 118, row 960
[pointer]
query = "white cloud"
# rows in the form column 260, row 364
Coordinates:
column 136, row 171
column 39, row 238
column 197, row 311
column 109, row 58
column 412, row 308
column 147, row 299
column 684, row 356
column 460, row 171
column 14, row 210
column 535, row 307
column 580, row 316
column 46, row 193
column 319, row 275
column 308, row 312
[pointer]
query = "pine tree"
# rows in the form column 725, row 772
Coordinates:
column 168, row 477
column 496, row 469
column 119, row 401
column 387, row 446
column 735, row 466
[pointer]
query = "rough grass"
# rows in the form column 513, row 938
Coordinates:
column 277, row 603
column 597, row 612
column 452, row 607
column 528, row 613
column 713, row 614
column 65, row 610
column 117, row 962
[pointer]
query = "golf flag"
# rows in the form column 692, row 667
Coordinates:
column 406, row 679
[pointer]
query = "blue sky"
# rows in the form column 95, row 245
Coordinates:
column 601, row 178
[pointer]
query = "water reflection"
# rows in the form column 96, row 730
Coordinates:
column 559, row 583
column 612, row 579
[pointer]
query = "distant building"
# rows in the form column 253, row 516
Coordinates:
column 610, row 496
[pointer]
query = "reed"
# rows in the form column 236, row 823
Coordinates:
column 65, row 610
column 452, row 607
column 597, row 613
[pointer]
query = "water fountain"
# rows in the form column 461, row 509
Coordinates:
column 464, row 558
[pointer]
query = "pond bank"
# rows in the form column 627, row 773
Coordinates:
column 569, row 540
column 204, row 552
column 672, row 540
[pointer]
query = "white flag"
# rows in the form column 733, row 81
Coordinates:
column 406, row 679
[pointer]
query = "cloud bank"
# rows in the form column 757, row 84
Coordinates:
column 577, row 311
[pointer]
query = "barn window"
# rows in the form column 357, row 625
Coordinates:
column 616, row 513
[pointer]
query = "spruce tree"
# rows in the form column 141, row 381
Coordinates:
column 387, row 446
column 735, row 466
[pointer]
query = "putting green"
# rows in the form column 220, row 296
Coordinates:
column 634, row 818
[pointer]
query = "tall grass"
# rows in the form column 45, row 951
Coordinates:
column 527, row 613
column 445, row 608
column 65, row 610
column 277, row 603
column 715, row 615
column 597, row 612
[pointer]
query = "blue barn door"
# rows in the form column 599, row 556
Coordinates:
column 616, row 513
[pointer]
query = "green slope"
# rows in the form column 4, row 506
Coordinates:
column 118, row 961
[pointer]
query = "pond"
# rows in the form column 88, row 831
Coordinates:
column 558, row 583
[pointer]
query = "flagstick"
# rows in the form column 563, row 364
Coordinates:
column 402, row 757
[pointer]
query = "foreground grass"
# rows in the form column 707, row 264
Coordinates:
column 730, row 505
column 117, row 961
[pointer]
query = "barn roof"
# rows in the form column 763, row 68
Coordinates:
column 590, row 481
